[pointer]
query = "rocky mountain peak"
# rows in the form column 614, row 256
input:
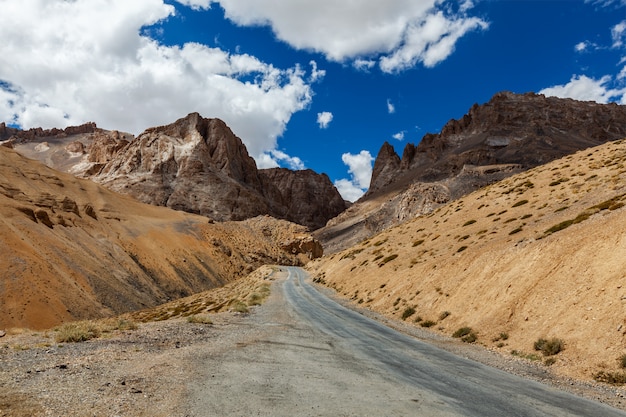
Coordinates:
column 386, row 165
column 526, row 129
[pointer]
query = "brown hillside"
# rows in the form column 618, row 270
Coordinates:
column 541, row 254
column 71, row 249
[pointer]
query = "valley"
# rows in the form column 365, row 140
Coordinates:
column 501, row 239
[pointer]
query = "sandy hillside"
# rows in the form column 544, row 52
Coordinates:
column 71, row 249
column 539, row 255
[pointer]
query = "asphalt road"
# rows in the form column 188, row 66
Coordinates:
column 303, row 354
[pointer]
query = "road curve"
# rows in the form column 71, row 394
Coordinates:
column 303, row 354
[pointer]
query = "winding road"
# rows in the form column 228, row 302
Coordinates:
column 303, row 354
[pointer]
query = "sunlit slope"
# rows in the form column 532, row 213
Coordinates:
column 539, row 255
column 71, row 249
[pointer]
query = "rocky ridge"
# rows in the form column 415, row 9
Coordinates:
column 195, row 164
column 509, row 134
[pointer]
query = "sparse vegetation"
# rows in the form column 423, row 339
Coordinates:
column 520, row 203
column 466, row 334
column 614, row 378
column 77, row 331
column 444, row 315
column 549, row 347
column 418, row 242
column 467, row 223
column 529, row 356
column 463, row 331
column 239, row 307
column 408, row 312
column 427, row 323
column 388, row 259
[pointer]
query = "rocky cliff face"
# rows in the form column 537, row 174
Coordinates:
column 304, row 195
column 195, row 165
column 527, row 129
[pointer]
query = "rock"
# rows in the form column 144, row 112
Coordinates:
column 386, row 167
column 2, row 333
column 303, row 197
column 306, row 245
column 198, row 165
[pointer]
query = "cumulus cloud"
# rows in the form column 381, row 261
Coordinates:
column 398, row 33
column 68, row 62
column 581, row 87
column 391, row 109
column 360, row 170
column 324, row 119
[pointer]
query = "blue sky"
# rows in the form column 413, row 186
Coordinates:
column 305, row 84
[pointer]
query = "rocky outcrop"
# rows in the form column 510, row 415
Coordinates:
column 6, row 132
column 527, row 129
column 305, row 195
column 20, row 136
column 199, row 166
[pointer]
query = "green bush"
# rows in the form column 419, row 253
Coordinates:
column 427, row 323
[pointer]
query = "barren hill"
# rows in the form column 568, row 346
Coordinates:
column 507, row 135
column 71, row 249
column 195, row 164
column 539, row 255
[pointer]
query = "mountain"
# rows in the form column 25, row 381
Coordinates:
column 72, row 249
column 509, row 134
column 538, row 255
column 195, row 164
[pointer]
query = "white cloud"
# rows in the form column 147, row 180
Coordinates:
column 581, row 87
column 429, row 41
column 618, row 34
column 360, row 170
column 324, row 119
column 316, row 74
column 391, row 109
column 348, row 190
column 363, row 64
column 581, row 46
column 401, row 33
column 399, row 135
column 196, row 4
column 68, row 62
